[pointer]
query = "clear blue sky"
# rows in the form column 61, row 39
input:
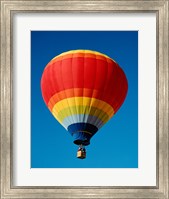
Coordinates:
column 116, row 144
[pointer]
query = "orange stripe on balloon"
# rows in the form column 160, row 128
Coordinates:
column 82, row 52
column 80, row 55
column 68, row 93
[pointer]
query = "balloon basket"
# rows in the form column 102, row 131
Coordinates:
column 81, row 153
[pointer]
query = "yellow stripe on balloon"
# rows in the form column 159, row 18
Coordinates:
column 81, row 51
column 84, row 101
column 75, row 110
column 72, row 92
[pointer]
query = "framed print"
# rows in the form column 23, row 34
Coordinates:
column 84, row 99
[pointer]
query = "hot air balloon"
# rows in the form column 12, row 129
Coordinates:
column 83, row 89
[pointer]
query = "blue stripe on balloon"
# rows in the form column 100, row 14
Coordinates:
column 82, row 118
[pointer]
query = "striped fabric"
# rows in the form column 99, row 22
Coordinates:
column 83, row 89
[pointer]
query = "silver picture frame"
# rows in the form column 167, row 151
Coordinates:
column 8, row 10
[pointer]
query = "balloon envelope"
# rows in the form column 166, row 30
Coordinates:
column 83, row 89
